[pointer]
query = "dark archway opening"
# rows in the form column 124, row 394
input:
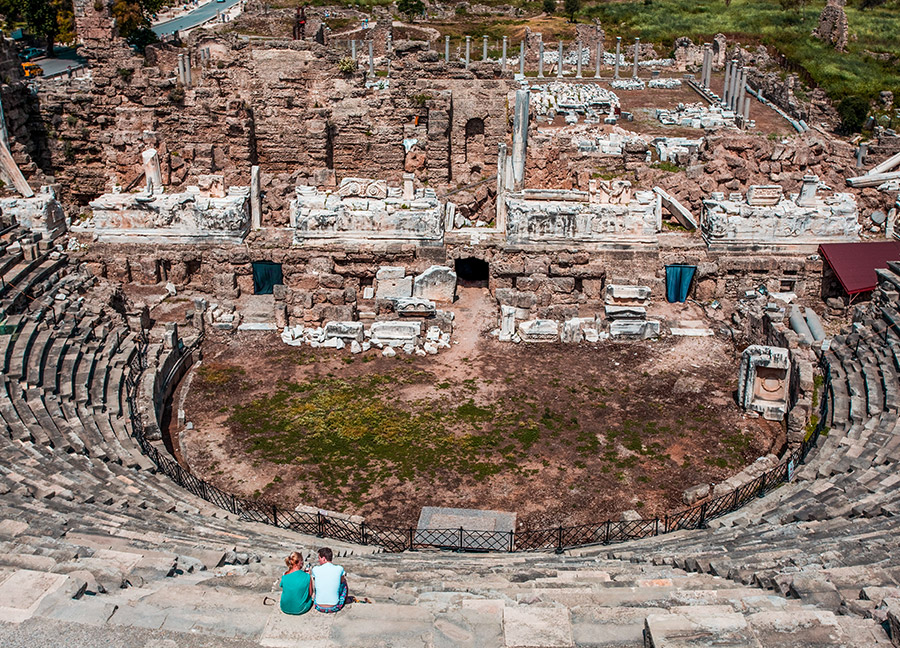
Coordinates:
column 475, row 145
column 473, row 272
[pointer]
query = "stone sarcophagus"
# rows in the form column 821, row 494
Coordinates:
column 764, row 381
column 366, row 209
column 767, row 217
column 193, row 216
column 41, row 213
column 609, row 215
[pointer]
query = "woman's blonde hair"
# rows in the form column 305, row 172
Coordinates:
column 294, row 559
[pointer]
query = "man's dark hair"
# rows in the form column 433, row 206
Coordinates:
column 326, row 553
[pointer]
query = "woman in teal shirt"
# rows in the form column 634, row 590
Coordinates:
column 295, row 586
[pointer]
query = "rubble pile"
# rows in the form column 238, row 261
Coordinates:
column 697, row 115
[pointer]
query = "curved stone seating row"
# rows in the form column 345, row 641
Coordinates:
column 29, row 268
column 82, row 511
column 831, row 537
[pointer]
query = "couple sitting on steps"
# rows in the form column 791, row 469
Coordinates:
column 325, row 587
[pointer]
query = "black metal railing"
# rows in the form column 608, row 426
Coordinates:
column 397, row 539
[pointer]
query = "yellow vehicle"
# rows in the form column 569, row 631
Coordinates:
column 32, row 69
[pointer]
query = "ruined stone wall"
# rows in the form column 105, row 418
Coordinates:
column 727, row 162
column 26, row 137
column 325, row 282
column 279, row 104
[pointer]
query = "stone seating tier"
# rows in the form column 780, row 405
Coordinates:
column 83, row 511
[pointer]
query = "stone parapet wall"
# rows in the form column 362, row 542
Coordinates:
column 328, row 282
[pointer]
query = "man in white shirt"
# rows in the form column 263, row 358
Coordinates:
column 329, row 583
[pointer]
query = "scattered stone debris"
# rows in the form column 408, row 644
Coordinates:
column 698, row 115
column 667, row 84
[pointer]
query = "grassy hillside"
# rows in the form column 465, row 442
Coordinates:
column 855, row 72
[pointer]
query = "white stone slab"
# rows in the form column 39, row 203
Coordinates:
column 692, row 332
column 438, row 283
column 390, row 272
column 310, row 630
column 534, row 627
column 23, row 591
column 539, row 331
column 258, row 326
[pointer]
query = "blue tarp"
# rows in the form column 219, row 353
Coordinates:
column 678, row 282
column 265, row 275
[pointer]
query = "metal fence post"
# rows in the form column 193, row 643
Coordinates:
column 411, row 534
column 512, row 540
column 362, row 532
column 274, row 515
column 559, row 539
column 606, row 535
column 656, row 526
column 460, row 546
column 702, row 522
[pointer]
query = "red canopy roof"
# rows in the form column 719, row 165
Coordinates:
column 855, row 263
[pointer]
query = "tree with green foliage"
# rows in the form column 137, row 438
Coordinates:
column 572, row 8
column 549, row 7
column 47, row 19
column 853, row 111
column 411, row 8
column 133, row 20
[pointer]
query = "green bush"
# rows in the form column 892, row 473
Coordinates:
column 346, row 65
column 549, row 7
column 853, row 111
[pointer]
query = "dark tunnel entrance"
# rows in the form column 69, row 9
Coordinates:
column 473, row 272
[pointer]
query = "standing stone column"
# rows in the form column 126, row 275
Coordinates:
column 732, row 92
column 618, row 51
column 503, row 59
column 541, row 60
column 152, row 172
column 597, row 61
column 727, row 81
column 255, row 199
column 703, row 79
column 861, row 152
column 742, row 91
column 637, row 56
column 522, row 58
column 746, row 111
column 371, row 59
column 501, row 186
column 353, row 49
column 446, row 49
column 181, row 78
column 520, row 139
column 409, row 191
column 559, row 63
column 578, row 61
column 468, row 48
column 484, row 48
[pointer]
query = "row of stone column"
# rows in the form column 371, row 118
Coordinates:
column 734, row 94
column 707, row 67
column 503, row 60
column 183, row 69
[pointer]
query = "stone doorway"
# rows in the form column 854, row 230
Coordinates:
column 472, row 272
